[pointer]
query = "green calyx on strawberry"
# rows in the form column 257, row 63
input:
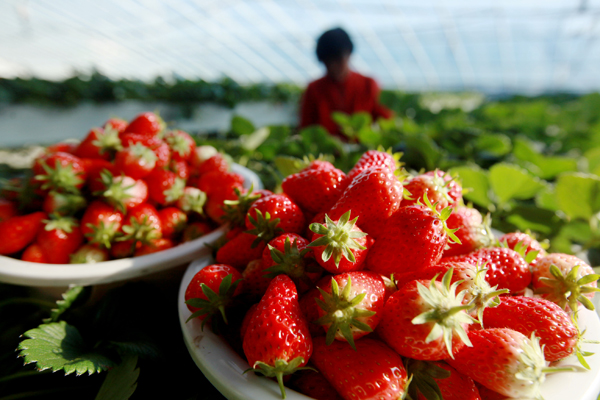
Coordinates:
column 443, row 216
column 338, row 238
column 423, row 379
column 568, row 288
column 290, row 262
column 445, row 311
column 65, row 224
column 521, row 248
column 482, row 295
column 64, row 203
column 265, row 228
column 61, row 178
column 279, row 370
column 116, row 191
column 175, row 192
column 342, row 312
column 193, row 199
column 236, row 210
column 108, row 140
column 216, row 302
column 103, row 233
column 139, row 231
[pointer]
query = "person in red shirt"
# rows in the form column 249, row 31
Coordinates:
column 341, row 89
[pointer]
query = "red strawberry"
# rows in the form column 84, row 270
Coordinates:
column 95, row 167
column 353, row 311
column 8, row 209
column 528, row 243
column 181, row 143
column 157, row 145
column 235, row 210
column 211, row 290
column 173, row 221
column 195, row 230
column 565, row 280
column 64, row 147
column 141, row 225
column 441, row 378
column 202, row 154
column 181, row 168
column 310, row 309
column 472, row 230
column 116, row 124
column 414, row 238
column 439, row 186
column 59, row 239
column 147, row 123
column 315, row 385
column 374, row 370
column 192, row 200
column 136, row 161
column 505, row 361
column 164, row 187
column 154, row 246
column 426, row 322
column 19, row 231
column 34, row 253
column 272, row 214
column 59, row 171
column 88, row 254
column 219, row 183
column 215, row 205
column 101, row 223
column 256, row 278
column 316, row 189
column 373, row 210
column 339, row 246
column 558, row 336
column 375, row 159
column 63, row 203
column 122, row 192
column 238, row 252
column 99, row 143
column 277, row 341
column 506, row 268
column 214, row 163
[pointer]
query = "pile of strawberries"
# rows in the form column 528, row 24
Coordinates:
column 378, row 285
column 127, row 189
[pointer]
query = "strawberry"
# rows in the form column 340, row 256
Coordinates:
column 88, row 254
column 558, row 335
column 63, row 203
column 192, row 200
column 235, row 210
column 373, row 211
column 116, row 124
column 154, row 246
column 414, row 238
column 504, row 361
column 147, row 123
column 34, row 253
column 219, row 182
column 59, row 238
column 95, row 167
column 426, row 322
column 141, row 225
column 211, row 290
column 506, row 268
column 64, row 147
column 136, row 161
column 522, row 239
column 277, row 341
column 430, row 378
column 354, row 311
column 181, row 143
column 202, row 154
column 375, row 159
column 315, row 189
column 272, row 214
column 439, row 186
column 99, row 143
column 101, row 223
column 373, row 371
column 164, row 187
column 8, row 209
column 173, row 221
column 195, row 230
column 339, row 246
column 565, row 280
column 122, row 192
column 217, row 163
column 256, row 278
column 315, row 385
column 471, row 229
column 238, row 252
column 181, row 168
column 157, row 145
column 310, row 309
column 59, row 171
column 19, row 231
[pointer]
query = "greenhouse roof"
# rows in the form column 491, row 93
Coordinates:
column 525, row 46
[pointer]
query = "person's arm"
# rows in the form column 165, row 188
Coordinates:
column 308, row 108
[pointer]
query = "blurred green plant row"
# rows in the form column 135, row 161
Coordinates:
column 533, row 163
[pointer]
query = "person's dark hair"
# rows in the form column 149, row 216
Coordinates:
column 333, row 45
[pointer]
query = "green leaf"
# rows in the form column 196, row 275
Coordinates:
column 241, row 126
column 546, row 198
column 121, row 381
column 496, row 144
column 289, row 165
column 422, row 150
column 509, row 181
column 251, row 141
column 59, row 346
column 477, row 182
column 547, row 167
column 593, row 158
column 536, row 219
column 578, row 195
column 317, row 140
column 69, row 297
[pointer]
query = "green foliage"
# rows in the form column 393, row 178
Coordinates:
column 121, row 381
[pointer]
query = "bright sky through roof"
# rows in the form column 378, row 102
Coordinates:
column 522, row 46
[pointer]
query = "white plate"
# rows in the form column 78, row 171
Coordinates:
column 60, row 275
column 224, row 367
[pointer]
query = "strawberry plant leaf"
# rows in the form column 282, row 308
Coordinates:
column 69, row 297
column 121, row 381
column 546, row 198
column 477, row 181
column 509, row 181
column 60, row 346
column 578, row 195
column 241, row 126
column 495, row 144
column 593, row 158
column 251, row 141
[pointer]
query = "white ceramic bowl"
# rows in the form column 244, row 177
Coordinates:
column 224, row 367
column 60, row 275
